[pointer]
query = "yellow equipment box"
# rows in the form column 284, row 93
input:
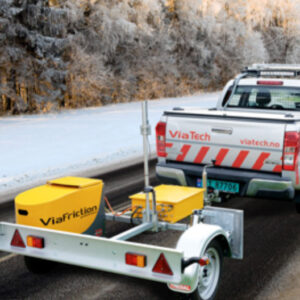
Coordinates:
column 70, row 204
column 173, row 202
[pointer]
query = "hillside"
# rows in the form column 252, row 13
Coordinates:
column 74, row 53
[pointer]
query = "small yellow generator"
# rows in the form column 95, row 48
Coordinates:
column 173, row 203
column 70, row 204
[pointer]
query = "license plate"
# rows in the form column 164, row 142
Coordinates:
column 222, row 186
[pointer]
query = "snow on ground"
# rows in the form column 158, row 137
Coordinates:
column 38, row 147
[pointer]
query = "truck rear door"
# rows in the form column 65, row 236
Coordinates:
column 246, row 142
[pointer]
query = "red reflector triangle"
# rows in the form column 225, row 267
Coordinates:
column 162, row 266
column 17, row 240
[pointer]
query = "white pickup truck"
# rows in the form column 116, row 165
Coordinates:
column 251, row 137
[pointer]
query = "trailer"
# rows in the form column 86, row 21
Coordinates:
column 64, row 221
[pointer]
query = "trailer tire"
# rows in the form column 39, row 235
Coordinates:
column 37, row 265
column 209, row 276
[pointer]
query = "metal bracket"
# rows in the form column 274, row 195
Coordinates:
column 232, row 221
column 145, row 130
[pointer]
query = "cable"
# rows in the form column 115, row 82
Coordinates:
column 117, row 214
column 133, row 213
column 108, row 205
column 123, row 212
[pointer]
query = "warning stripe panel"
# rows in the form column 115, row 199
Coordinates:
column 221, row 155
column 260, row 161
column 240, row 159
column 238, row 162
column 277, row 169
column 168, row 145
column 201, row 155
column 184, row 151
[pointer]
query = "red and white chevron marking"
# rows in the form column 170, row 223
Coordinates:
column 222, row 154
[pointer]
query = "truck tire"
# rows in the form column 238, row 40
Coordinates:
column 298, row 207
column 209, row 276
column 38, row 266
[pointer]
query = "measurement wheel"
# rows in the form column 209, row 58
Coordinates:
column 209, row 276
column 38, row 266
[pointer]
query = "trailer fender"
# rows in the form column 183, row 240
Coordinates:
column 193, row 243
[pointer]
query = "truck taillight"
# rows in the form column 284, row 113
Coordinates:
column 291, row 150
column 161, row 139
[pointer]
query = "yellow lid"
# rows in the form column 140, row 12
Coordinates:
column 43, row 194
column 54, row 189
column 77, row 182
column 170, row 193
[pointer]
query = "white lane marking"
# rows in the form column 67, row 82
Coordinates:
column 7, row 257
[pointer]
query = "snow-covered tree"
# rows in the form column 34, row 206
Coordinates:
column 72, row 53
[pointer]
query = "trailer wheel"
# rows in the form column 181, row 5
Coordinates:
column 38, row 266
column 209, row 276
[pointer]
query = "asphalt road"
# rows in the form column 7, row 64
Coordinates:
column 272, row 233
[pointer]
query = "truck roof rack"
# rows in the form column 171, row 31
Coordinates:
column 273, row 70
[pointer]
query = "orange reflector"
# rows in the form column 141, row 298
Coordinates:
column 17, row 240
column 180, row 287
column 162, row 266
column 35, row 242
column 203, row 261
column 135, row 260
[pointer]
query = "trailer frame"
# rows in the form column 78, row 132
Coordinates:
column 182, row 268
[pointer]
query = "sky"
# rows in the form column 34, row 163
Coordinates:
column 36, row 148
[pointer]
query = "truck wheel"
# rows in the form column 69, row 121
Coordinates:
column 298, row 208
column 209, row 276
column 38, row 266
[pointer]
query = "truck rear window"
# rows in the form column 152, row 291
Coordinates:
column 266, row 97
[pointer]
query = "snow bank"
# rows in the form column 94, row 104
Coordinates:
column 36, row 148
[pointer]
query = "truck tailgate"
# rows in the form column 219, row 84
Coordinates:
column 247, row 143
